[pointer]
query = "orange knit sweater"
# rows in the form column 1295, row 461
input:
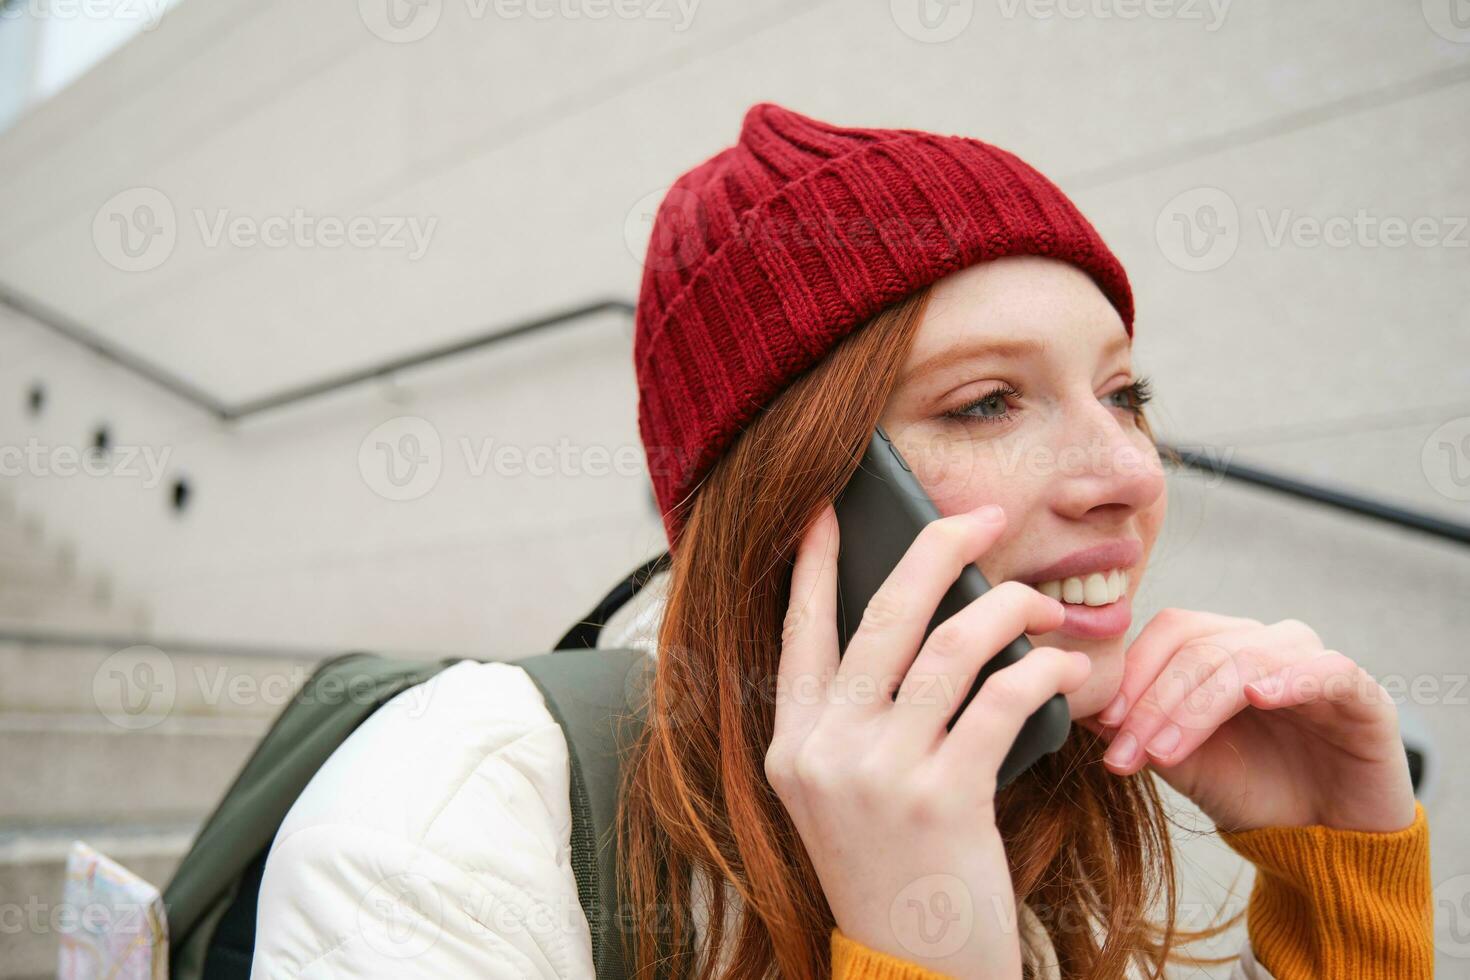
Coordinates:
column 1326, row 905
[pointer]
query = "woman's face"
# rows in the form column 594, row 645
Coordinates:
column 1017, row 392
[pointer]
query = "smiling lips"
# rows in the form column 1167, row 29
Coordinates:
column 1092, row 585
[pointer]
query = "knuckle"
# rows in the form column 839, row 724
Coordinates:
column 1171, row 615
column 1005, row 688
column 798, row 615
column 777, row 769
column 1198, row 659
column 885, row 610
column 811, row 772
column 926, row 803
column 946, row 640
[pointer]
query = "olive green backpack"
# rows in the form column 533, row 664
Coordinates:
column 212, row 896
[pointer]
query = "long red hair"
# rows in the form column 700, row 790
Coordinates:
column 1089, row 851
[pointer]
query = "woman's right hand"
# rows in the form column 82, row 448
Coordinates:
column 897, row 814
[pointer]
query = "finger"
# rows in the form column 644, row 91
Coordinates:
column 1195, row 720
column 893, row 624
column 957, row 649
column 1201, row 689
column 1329, row 678
column 988, row 726
column 1200, row 670
column 809, row 632
column 1155, row 646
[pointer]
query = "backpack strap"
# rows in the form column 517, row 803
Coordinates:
column 584, row 633
column 594, row 696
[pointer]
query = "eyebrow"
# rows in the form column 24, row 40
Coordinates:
column 999, row 348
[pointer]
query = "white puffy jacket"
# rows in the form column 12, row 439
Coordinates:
column 435, row 842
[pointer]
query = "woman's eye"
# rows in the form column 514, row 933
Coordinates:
column 1134, row 396
column 990, row 407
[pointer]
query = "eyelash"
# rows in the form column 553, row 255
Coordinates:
column 1138, row 394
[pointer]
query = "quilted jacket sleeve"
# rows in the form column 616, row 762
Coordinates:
column 433, row 843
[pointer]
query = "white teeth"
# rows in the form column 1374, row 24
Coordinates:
column 1094, row 589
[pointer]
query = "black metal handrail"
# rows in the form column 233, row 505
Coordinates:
column 162, row 378
column 1203, row 459
column 1344, row 500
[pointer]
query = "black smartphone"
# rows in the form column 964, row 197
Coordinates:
column 879, row 513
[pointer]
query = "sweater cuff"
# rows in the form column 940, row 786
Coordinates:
column 1331, row 904
column 851, row 960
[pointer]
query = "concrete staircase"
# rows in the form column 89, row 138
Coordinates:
column 126, row 747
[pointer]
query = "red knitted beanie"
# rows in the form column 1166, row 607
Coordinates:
column 766, row 255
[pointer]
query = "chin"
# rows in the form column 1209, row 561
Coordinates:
column 1105, row 681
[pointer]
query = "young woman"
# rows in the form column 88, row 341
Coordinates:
column 791, row 814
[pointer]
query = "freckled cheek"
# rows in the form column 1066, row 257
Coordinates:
column 960, row 479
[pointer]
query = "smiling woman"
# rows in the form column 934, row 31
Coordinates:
column 834, row 835
column 788, row 813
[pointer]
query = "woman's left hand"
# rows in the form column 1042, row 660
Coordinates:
column 1258, row 725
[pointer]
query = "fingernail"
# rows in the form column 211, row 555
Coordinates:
column 1122, row 751
column 990, row 513
column 1165, row 742
column 1268, row 687
column 1115, row 710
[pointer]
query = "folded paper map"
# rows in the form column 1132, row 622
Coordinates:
column 114, row 927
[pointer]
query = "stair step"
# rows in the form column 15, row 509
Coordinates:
column 102, row 681
column 68, row 613
column 87, row 767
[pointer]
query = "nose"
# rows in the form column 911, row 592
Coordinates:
column 1106, row 463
